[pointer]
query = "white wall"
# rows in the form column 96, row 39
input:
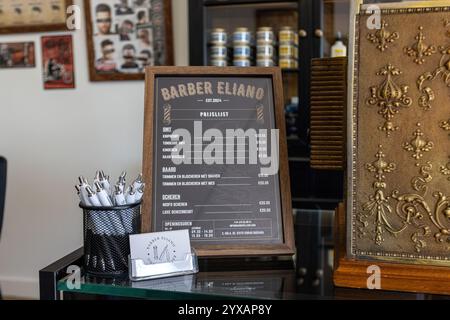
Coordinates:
column 49, row 138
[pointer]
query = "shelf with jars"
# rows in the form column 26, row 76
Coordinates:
column 242, row 48
column 287, row 34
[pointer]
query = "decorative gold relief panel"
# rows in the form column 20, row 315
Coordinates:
column 383, row 37
column 419, row 50
column 398, row 199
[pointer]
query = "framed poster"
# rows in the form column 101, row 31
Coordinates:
column 215, row 159
column 397, row 203
column 126, row 36
column 17, row 55
column 19, row 16
column 57, row 62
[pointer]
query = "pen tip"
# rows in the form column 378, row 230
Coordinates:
column 89, row 191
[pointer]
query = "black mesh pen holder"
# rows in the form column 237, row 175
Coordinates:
column 106, row 242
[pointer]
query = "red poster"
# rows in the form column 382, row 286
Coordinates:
column 57, row 62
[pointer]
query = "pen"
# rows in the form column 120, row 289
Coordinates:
column 93, row 199
column 119, row 198
column 83, row 196
column 105, row 177
column 130, row 195
column 102, row 195
column 82, row 180
column 97, row 176
column 104, row 181
column 121, row 181
column 123, row 176
column 138, row 182
column 83, row 191
column 139, row 193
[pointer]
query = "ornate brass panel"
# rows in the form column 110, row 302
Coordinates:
column 389, row 97
column 398, row 192
column 419, row 50
column 381, row 38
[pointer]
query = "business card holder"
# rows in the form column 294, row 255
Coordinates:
column 139, row 270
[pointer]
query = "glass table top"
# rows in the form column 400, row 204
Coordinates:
column 307, row 275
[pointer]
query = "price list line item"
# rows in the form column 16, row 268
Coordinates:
column 226, row 212
column 223, row 205
column 235, row 177
column 215, row 119
column 233, row 184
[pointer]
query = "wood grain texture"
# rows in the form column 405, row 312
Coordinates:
column 94, row 76
column 328, row 105
column 352, row 273
column 147, row 161
column 288, row 245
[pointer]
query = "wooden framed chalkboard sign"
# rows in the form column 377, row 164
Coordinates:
column 215, row 159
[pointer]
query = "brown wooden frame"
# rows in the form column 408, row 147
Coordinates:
column 288, row 245
column 38, row 27
column 352, row 273
column 94, row 76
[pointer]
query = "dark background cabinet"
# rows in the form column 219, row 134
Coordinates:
column 316, row 22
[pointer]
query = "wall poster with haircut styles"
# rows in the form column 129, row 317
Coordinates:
column 126, row 36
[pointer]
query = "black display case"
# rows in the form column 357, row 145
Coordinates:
column 316, row 23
